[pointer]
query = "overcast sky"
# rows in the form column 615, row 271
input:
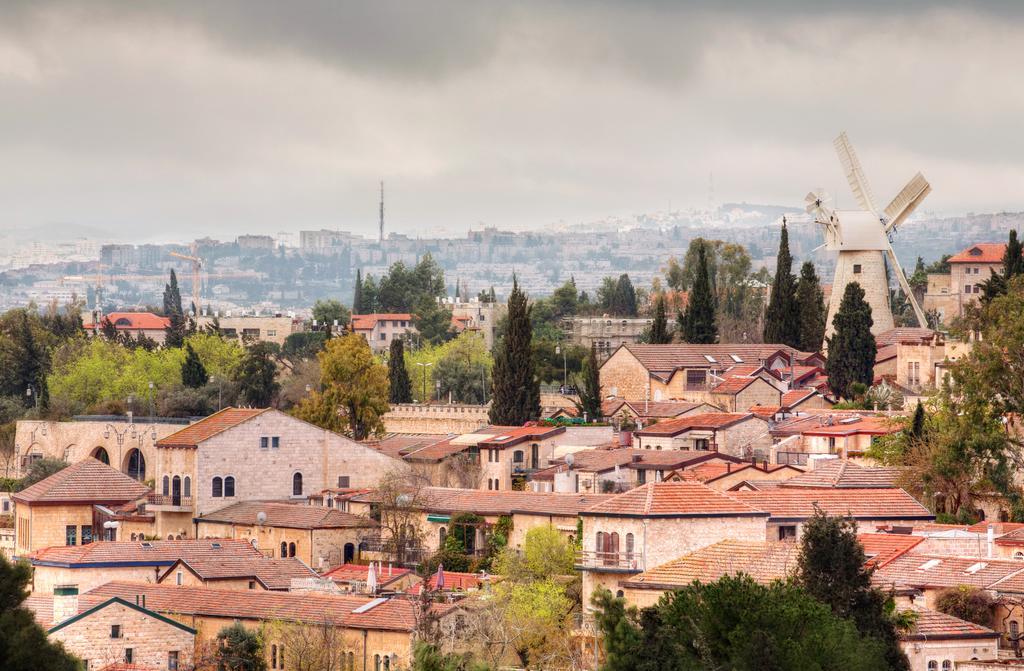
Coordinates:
column 163, row 120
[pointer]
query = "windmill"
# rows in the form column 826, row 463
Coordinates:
column 861, row 237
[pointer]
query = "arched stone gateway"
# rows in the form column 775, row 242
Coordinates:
column 100, row 453
column 135, row 464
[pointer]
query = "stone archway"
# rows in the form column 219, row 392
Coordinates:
column 135, row 464
column 100, row 454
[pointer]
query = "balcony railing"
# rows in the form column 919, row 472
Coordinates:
column 627, row 562
column 169, row 500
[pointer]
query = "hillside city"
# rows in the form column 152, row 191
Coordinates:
column 531, row 336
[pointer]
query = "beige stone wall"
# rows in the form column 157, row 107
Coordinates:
column 44, row 526
column 872, row 279
column 437, row 419
column 956, row 651
column 622, row 375
column 748, row 438
column 265, row 329
column 45, row 578
column 190, row 579
column 522, row 523
column 268, row 539
column 329, row 546
column 149, row 638
column 758, row 393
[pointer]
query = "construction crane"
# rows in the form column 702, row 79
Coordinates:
column 197, row 266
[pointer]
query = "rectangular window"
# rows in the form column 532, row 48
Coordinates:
column 700, row 443
column 264, row 442
column 86, row 534
column 115, row 631
column 383, row 336
column 343, row 481
column 787, row 533
column 252, row 584
column 172, row 660
column 696, row 379
column 275, row 442
column 180, row 578
column 71, row 535
column 967, row 288
column 271, row 332
column 129, row 655
column 641, row 476
column 856, row 269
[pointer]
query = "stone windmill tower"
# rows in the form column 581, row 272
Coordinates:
column 861, row 237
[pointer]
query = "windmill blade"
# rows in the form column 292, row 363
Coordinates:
column 905, row 285
column 854, row 173
column 906, row 201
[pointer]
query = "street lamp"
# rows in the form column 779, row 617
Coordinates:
column 565, row 369
column 151, row 398
column 30, row 392
column 424, row 366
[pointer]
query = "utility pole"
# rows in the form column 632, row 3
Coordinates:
column 380, row 235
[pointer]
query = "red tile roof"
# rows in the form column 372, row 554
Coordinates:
column 794, row 397
column 207, row 428
column 124, row 321
column 367, row 322
column 928, row 571
column 1012, row 538
column 398, row 445
column 673, row 499
column 603, row 460
column 911, row 335
column 931, row 625
column 275, row 574
column 505, row 502
column 311, row 607
column 883, row 548
column 703, row 421
column 348, row 573
column 797, row 503
column 663, row 360
column 648, row 409
column 761, row 560
column 157, row 553
column 998, row 528
column 506, row 436
column 846, row 474
column 733, row 384
column 87, row 482
column 876, row 426
column 983, row 252
column 286, row 515
column 453, row 582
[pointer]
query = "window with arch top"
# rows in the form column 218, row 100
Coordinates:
column 229, row 485
column 297, row 484
column 218, row 487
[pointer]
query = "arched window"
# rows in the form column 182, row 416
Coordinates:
column 136, row 465
column 167, row 486
column 218, row 487
column 133, row 537
column 933, row 665
column 101, row 455
column 188, row 486
column 291, row 549
column 176, row 491
column 273, row 656
column 284, row 549
column 229, row 485
column 1018, row 555
column 599, row 546
column 280, row 654
column 613, row 545
column 376, row 663
column 441, row 534
column 297, row 484
column 351, row 661
column 619, row 594
column 629, row 547
column 947, row 665
column 1014, row 629
column 496, row 483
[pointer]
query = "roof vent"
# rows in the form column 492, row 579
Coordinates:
column 369, row 606
column 215, row 546
column 849, row 420
column 930, row 564
column 974, row 568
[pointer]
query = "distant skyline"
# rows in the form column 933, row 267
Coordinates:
column 169, row 120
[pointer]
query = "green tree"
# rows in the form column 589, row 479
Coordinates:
column 427, row 657
column 810, row 301
column 357, row 295
column 515, row 397
column 831, row 568
column 917, row 423
column 464, row 368
column 40, row 470
column 733, row 623
column 24, row 645
column 625, row 297
column 303, row 345
column 330, row 311
column 565, row 301
column 967, row 603
column 852, row 348
column 1013, row 257
column 193, row 375
column 26, row 358
column 239, row 649
column 257, row 375
column 589, row 405
column 546, row 552
column 399, row 387
column 433, row 321
column 781, row 323
column 177, row 328
column 354, row 389
column 697, row 323
column 659, row 334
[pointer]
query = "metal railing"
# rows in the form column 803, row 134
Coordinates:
column 168, row 500
column 617, row 561
column 791, row 458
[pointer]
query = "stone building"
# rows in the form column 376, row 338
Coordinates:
column 948, row 295
column 263, row 573
column 739, row 393
column 61, row 509
column 438, row 419
column 319, row 536
column 253, row 328
column 474, row 315
column 939, row 641
column 131, row 324
column 605, row 333
column 655, row 523
column 738, row 434
column 380, row 329
column 118, row 631
column 914, row 359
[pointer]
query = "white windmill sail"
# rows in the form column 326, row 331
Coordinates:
column 906, row 201
column 854, row 173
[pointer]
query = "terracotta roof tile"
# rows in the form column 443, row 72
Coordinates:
column 398, row 445
column 389, row 615
column 713, row 470
column 733, row 384
column 124, row 321
column 288, row 515
column 913, row 335
column 839, row 473
column 983, row 252
column 87, row 482
column 275, row 574
column 673, row 499
column 348, row 573
column 648, row 409
column 206, row 428
column 797, row 503
column 703, row 421
column 505, row 502
column 876, row 426
column 367, row 322
column 796, row 396
column 931, row 625
column 664, row 359
column 158, row 553
column 761, row 560
column 883, row 548
column 923, row 571
column 454, row 582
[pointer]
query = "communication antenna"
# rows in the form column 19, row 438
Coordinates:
column 380, row 238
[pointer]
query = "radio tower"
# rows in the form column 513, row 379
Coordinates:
column 381, row 233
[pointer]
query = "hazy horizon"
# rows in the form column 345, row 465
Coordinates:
column 157, row 121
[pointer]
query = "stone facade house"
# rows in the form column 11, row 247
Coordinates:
column 132, row 324
column 939, row 641
column 656, row 523
column 738, row 434
column 738, row 393
column 949, row 295
column 263, row 573
column 319, row 536
column 380, row 329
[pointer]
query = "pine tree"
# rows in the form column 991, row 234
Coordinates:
column 698, row 322
column 624, row 300
column 810, row 301
column 193, row 373
column 257, row 375
column 917, row 423
column 175, row 331
column 851, row 349
column 357, row 296
column 515, row 394
column 24, row 645
column 781, row 322
column 1013, row 257
column 589, row 404
column 659, row 327
column 400, row 388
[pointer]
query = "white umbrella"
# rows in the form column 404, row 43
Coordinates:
column 371, row 579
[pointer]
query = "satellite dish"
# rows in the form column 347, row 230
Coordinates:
column 403, row 499
column 261, row 518
column 570, row 460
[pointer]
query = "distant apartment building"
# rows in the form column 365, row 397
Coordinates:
column 380, row 329
column 255, row 242
column 246, row 329
column 605, row 333
column 119, row 255
column 474, row 315
column 325, row 241
column 133, row 324
column 949, row 294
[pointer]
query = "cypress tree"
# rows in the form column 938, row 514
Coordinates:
column 1013, row 257
column 781, row 324
column 698, row 322
column 515, row 392
column 357, row 296
column 810, row 302
column 659, row 328
column 917, row 423
column 175, row 331
column 590, row 391
column 624, row 302
column 193, row 373
column 851, row 349
column 400, row 388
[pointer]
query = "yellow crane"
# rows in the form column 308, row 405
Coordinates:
column 197, row 266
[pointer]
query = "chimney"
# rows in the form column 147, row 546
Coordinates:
column 65, row 602
column 728, row 467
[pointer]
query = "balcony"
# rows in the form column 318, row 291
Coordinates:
column 610, row 562
column 169, row 503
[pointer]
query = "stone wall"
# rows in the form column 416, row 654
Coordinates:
column 959, row 652
column 436, row 419
column 867, row 268
column 45, row 578
column 622, row 375
column 44, row 526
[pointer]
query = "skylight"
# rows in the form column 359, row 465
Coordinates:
column 369, row 606
column 736, row 358
column 147, row 544
column 710, row 358
column 974, row 568
column 930, row 564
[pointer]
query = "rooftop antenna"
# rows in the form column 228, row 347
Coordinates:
column 381, row 233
